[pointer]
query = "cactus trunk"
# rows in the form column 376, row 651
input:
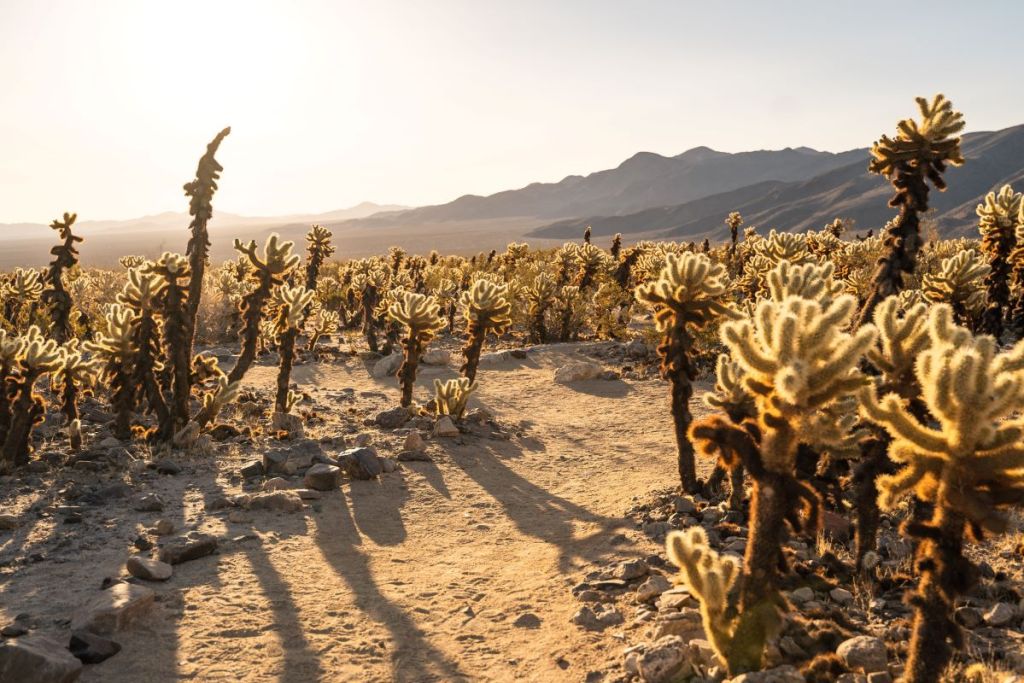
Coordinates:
column 25, row 411
column 472, row 352
column 69, row 406
column 407, row 373
column 286, row 351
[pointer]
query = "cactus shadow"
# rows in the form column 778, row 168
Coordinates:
column 377, row 509
column 602, row 388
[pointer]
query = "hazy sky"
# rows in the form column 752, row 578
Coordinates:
column 106, row 105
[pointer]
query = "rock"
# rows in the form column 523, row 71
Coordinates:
column 148, row 570
column 684, row 505
column 166, row 466
column 968, row 617
column 527, row 620
column 289, row 423
column 360, row 463
column 223, row 432
column 864, row 653
column 663, row 661
column 14, row 629
column 1001, row 614
column 148, row 502
column 109, row 442
column 37, row 659
column 278, row 501
column 276, row 462
column 188, row 548
column 252, row 469
column 163, row 527
column 444, row 427
column 686, row 623
column 630, row 569
column 239, row 517
column 436, row 357
column 787, row 673
column 322, row 477
column 414, row 456
column 880, row 677
column 493, row 358
column 386, row 366
column 114, row 609
column 219, row 502
column 577, row 371
column 308, row 494
column 652, row 588
column 8, row 522
column 277, row 484
column 362, row 440
column 479, row 415
column 802, row 594
column 638, row 349
column 599, row 619
column 393, row 418
column 841, row 595
column 90, row 648
column 388, row 465
column 414, row 442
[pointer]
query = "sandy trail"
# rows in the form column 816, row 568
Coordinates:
column 447, row 570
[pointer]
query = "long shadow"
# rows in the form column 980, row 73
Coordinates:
column 527, row 504
column 384, row 527
column 603, row 388
column 414, row 658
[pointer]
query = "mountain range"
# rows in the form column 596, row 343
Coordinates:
column 648, row 196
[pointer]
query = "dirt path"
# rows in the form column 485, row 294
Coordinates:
column 455, row 569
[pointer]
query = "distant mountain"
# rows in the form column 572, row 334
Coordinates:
column 643, row 181
column 992, row 159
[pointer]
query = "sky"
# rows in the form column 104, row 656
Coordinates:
column 106, row 105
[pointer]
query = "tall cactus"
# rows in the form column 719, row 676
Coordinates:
column 56, row 296
column 422, row 318
column 115, row 348
column 969, row 466
column 291, row 306
column 918, row 154
column 998, row 217
column 37, row 357
column 73, row 373
column 175, row 273
column 142, row 295
column 486, row 309
column 688, row 295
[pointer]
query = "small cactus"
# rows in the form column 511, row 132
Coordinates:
column 451, row 396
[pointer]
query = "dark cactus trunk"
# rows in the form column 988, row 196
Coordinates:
column 286, row 351
column 472, row 351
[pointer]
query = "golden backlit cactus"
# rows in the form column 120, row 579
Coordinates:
column 591, row 260
column 959, row 283
column 21, row 292
column 808, row 281
column 143, row 294
column 10, row 350
column 321, row 323
column 451, row 396
column 291, row 304
column 131, row 261
column 74, row 373
column 968, row 463
column 486, row 308
column 114, row 346
column 318, row 250
column 540, row 295
column 223, row 394
column 175, row 274
column 36, row 358
column 55, row 296
column 918, row 154
column 730, row 397
column 738, row 639
column 268, row 271
column 998, row 217
column 764, row 254
column 688, row 295
column 733, row 221
column 421, row 316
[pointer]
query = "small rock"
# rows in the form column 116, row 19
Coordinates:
column 278, row 501
column 841, row 595
column 166, row 466
column 1001, row 614
column 189, row 548
column 163, row 527
column 444, row 427
column 360, row 463
column 414, row 456
column 494, row 358
column 802, row 594
column 252, row 469
column 148, row 502
column 90, row 648
column 393, row 418
column 8, row 522
column 37, row 659
column 276, row 462
column 599, row 619
column 322, row 477
column 277, row 484
column 289, row 423
column 652, row 588
column 309, row 494
column 414, row 442
column 968, row 617
column 436, row 357
column 630, row 569
column 577, row 371
column 388, row 465
column 14, row 629
column 386, row 366
column 239, row 517
column 148, row 570
column 664, row 661
column 864, row 653
column 684, row 504
column 527, row 620
column 114, row 609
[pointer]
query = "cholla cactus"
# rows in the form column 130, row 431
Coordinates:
column 10, row 351
column 115, row 348
column 131, row 261
column 65, row 257
column 766, row 253
column 486, row 309
column 541, row 295
column 959, row 283
column 224, row 393
column 688, row 295
column 174, row 274
column 318, row 250
column 451, row 397
column 24, row 288
column 968, row 466
column 591, row 260
column 919, row 153
column 200, row 192
column 422, row 318
column 809, row 281
column 737, row 638
column 36, row 358
column 322, row 322
column 291, row 303
column 732, row 398
column 268, row 272
column 143, row 294
column 369, row 286
column 998, row 217
column 73, row 373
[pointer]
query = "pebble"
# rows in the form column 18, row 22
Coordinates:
column 189, row 548
column 841, row 595
column 865, row 653
column 90, row 648
column 147, row 569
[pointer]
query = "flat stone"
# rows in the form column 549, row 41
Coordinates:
column 393, row 418
column 864, row 653
column 414, row 456
column 148, row 502
column 277, row 484
column 37, row 659
column 361, row 463
column 652, row 588
column 276, row 462
column 841, row 595
column 684, row 505
column 279, row 501
column 322, row 477
column 308, row 494
column 147, row 569
column 8, row 522
column 188, row 548
column 114, row 609
column 802, row 594
column 436, row 357
column 166, row 466
column 630, row 569
column 527, row 620
column 968, row 617
column 90, row 648
column 163, row 527
column 577, row 371
column 252, row 469
column 386, row 366
column 664, row 661
column 444, row 427
column 597, row 619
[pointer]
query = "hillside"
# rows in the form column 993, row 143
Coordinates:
column 993, row 159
